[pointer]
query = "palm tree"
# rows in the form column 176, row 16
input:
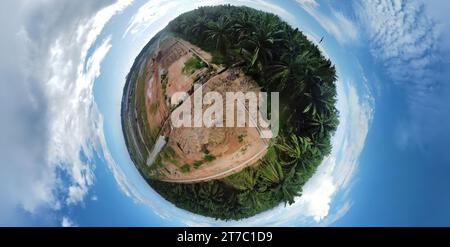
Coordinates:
column 244, row 180
column 216, row 191
column 219, row 32
column 283, row 72
column 323, row 124
column 295, row 148
column 260, row 43
column 186, row 24
column 287, row 72
column 328, row 98
column 299, row 150
column 287, row 191
column 270, row 171
column 321, row 98
column 323, row 146
column 293, row 40
column 327, row 72
column 200, row 26
column 252, row 200
column 243, row 26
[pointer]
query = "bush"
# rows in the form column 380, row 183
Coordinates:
column 185, row 168
column 209, row 158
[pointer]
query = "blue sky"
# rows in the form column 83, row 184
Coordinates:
column 66, row 161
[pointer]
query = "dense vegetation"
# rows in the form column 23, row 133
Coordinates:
column 193, row 64
column 279, row 58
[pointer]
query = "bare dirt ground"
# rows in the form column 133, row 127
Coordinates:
column 233, row 148
column 156, row 108
column 168, row 60
column 203, row 54
column 177, row 80
column 209, row 153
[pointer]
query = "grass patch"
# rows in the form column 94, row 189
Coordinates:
column 154, row 107
column 164, row 82
column 241, row 138
column 198, row 163
column 193, row 64
column 185, row 168
column 139, row 102
column 209, row 158
column 168, row 154
column 217, row 58
column 244, row 149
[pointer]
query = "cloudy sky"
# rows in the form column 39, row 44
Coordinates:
column 63, row 159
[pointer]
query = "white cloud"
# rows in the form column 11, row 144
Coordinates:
column 335, row 23
column 360, row 116
column 54, row 124
column 267, row 6
column 150, row 13
column 408, row 39
column 312, row 3
column 158, row 13
column 318, row 192
column 402, row 37
column 74, row 119
column 342, row 211
column 66, row 222
column 437, row 10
